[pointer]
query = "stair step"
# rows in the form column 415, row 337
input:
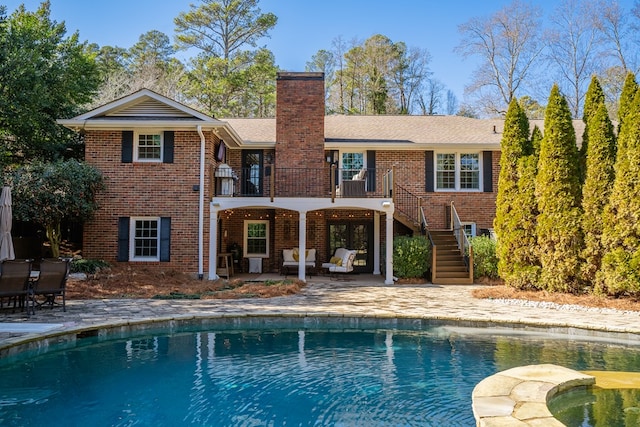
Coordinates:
column 453, row 274
column 450, row 263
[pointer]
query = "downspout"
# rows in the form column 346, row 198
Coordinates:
column 201, row 206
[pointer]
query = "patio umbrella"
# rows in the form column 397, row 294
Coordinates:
column 6, row 244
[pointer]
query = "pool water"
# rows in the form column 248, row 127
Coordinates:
column 598, row 407
column 271, row 377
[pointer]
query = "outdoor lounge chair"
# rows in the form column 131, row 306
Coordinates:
column 290, row 261
column 356, row 187
column 14, row 282
column 341, row 261
column 51, row 282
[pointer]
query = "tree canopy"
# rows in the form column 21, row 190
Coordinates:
column 44, row 76
column 48, row 193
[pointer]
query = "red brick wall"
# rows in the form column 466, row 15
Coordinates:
column 477, row 206
column 149, row 189
column 300, row 120
column 284, row 232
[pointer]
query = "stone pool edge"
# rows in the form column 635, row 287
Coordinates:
column 519, row 396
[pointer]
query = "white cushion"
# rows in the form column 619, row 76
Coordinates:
column 287, row 255
column 359, row 176
column 347, row 259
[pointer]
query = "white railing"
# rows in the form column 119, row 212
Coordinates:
column 463, row 240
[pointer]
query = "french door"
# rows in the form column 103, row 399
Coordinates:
column 356, row 235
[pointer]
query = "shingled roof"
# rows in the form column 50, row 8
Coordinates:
column 395, row 132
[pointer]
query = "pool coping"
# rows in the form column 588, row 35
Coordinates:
column 520, row 396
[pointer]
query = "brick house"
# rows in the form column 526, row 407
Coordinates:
column 183, row 187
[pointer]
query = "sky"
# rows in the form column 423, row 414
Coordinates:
column 303, row 28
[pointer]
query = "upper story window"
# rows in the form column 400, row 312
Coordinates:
column 458, row 171
column 148, row 147
column 351, row 164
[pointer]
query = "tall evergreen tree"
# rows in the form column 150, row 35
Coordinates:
column 593, row 98
column 600, row 159
column 558, row 195
column 524, row 272
column 620, row 272
column 514, row 145
column 626, row 98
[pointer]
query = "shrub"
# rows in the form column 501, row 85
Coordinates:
column 87, row 266
column 411, row 256
column 485, row 261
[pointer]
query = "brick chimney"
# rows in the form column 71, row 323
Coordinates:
column 300, row 120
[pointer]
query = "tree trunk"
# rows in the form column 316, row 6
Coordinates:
column 54, row 236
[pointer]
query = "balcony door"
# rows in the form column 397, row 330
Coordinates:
column 252, row 176
column 353, row 234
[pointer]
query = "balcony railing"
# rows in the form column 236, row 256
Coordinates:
column 328, row 181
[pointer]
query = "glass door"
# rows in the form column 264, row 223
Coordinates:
column 252, row 163
column 353, row 235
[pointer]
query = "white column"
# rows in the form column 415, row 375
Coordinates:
column 376, row 242
column 389, row 245
column 302, row 245
column 213, row 243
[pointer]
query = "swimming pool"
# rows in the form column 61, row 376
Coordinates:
column 417, row 373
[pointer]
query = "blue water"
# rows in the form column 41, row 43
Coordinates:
column 279, row 377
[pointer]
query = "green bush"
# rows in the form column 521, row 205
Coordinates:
column 485, row 261
column 87, row 266
column 411, row 256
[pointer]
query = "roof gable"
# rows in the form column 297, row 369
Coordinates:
column 144, row 103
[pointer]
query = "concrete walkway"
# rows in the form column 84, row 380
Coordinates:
column 360, row 296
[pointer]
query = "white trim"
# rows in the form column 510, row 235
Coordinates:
column 457, row 188
column 132, row 238
column 474, row 230
column 136, row 148
column 341, row 166
column 245, row 237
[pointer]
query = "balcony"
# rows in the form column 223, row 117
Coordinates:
column 324, row 182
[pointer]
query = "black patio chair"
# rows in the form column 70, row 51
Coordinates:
column 14, row 282
column 51, row 282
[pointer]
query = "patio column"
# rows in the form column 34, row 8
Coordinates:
column 389, row 245
column 302, row 245
column 376, row 242
column 213, row 244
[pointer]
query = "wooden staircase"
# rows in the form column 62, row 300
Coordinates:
column 449, row 266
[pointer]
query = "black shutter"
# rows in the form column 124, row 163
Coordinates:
column 127, row 146
column 487, row 172
column 165, row 239
column 428, row 171
column 123, row 238
column 371, row 172
column 167, row 156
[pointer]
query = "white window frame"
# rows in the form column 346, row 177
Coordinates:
column 248, row 254
column 136, row 146
column 341, row 165
column 472, row 225
column 132, row 238
column 457, row 170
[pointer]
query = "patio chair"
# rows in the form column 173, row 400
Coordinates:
column 356, row 187
column 14, row 282
column 290, row 261
column 341, row 262
column 51, row 282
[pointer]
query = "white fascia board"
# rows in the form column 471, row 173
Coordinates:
column 136, row 96
column 410, row 146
